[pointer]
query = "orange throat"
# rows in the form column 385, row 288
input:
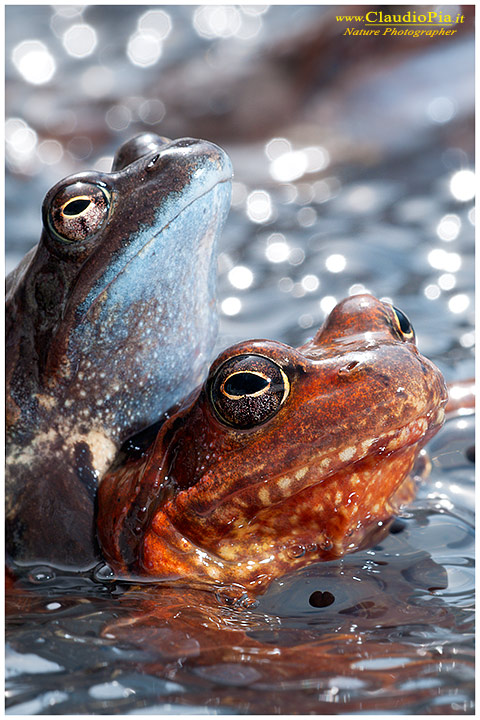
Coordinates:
column 333, row 514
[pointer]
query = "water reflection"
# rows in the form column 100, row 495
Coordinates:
column 240, row 277
column 259, row 206
column 462, row 185
column 80, row 40
column 144, row 48
column 335, row 263
column 449, row 227
column 459, row 303
column 310, row 283
column 231, row 305
column 440, row 259
column 277, row 250
column 34, row 62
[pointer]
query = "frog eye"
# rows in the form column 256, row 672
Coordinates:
column 402, row 324
column 248, row 390
column 78, row 211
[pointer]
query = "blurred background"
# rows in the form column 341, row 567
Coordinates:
column 353, row 161
column 352, row 155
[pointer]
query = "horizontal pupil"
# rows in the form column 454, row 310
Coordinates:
column 76, row 207
column 245, row 384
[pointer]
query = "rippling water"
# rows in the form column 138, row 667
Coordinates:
column 333, row 197
column 385, row 629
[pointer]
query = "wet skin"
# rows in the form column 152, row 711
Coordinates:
column 285, row 456
column 110, row 321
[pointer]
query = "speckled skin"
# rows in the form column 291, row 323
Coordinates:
column 212, row 503
column 105, row 334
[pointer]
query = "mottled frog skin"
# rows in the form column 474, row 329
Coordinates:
column 110, row 320
column 284, row 457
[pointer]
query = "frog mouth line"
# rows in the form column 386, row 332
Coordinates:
column 147, row 243
column 283, row 486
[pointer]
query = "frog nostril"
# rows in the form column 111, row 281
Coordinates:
column 349, row 367
column 151, row 163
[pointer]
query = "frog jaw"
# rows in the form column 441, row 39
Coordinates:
column 289, row 521
column 302, row 530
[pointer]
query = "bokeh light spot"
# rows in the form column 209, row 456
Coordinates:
column 306, row 216
column 447, row 281
column 80, row 147
column 310, row 283
column 20, row 146
column 144, row 48
column 276, row 147
column 250, row 27
column 240, row 277
column 459, row 303
column 335, row 263
column 289, row 166
column 212, row 21
column 357, row 289
column 152, row 111
column 467, row 339
column 317, row 158
column 231, row 306
column 327, row 304
column 462, row 185
column 432, row 292
column 254, row 9
column 118, row 117
column 305, row 321
column 50, row 152
column 34, row 62
column 440, row 259
column 297, row 256
column 80, row 40
column 157, row 20
column 259, row 206
column 449, row 227
column 11, row 127
column 68, row 11
column 20, row 137
column 277, row 250
column 285, row 284
column 441, row 110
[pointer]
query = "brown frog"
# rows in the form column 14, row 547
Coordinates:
column 284, row 457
